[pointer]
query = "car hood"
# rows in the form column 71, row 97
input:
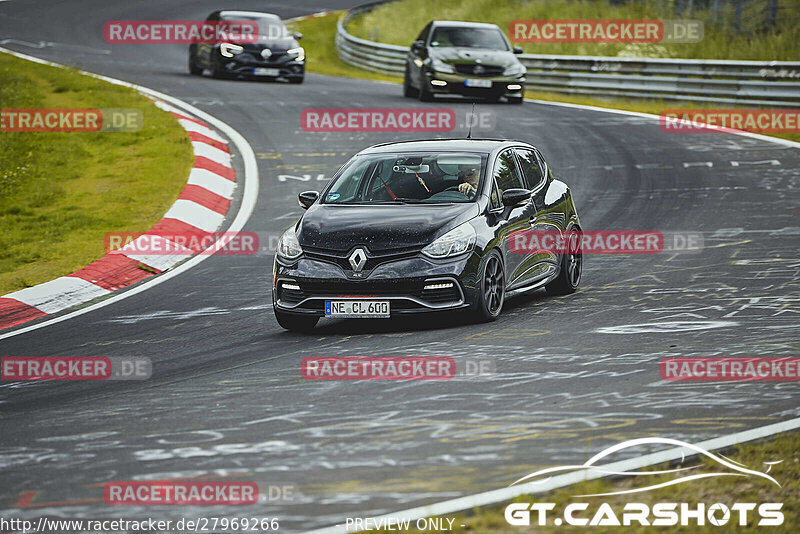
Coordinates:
column 474, row 55
column 380, row 228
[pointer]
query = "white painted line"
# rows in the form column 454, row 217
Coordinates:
column 249, row 196
column 166, row 107
column 560, row 481
column 190, row 126
column 213, row 182
column 162, row 262
column 58, row 294
column 195, row 214
column 212, row 153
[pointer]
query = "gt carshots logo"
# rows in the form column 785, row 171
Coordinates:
column 635, row 513
column 642, row 514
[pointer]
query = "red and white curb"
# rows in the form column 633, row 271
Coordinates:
column 200, row 209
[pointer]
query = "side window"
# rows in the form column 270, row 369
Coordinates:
column 423, row 35
column 531, row 170
column 506, row 174
column 542, row 163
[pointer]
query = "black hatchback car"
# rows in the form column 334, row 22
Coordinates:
column 273, row 53
column 424, row 226
column 465, row 58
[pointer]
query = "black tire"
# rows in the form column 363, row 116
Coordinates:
column 194, row 70
column 296, row 323
column 569, row 276
column 491, row 290
column 408, row 90
column 296, row 80
column 216, row 70
column 515, row 100
column 425, row 94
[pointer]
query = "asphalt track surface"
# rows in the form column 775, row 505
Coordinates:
column 572, row 373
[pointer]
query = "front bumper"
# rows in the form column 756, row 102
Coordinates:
column 403, row 282
column 250, row 64
column 508, row 86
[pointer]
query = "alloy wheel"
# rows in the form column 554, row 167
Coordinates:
column 494, row 285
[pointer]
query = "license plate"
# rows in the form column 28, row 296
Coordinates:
column 357, row 309
column 478, row 83
column 266, row 72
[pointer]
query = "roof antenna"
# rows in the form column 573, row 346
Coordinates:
column 471, row 119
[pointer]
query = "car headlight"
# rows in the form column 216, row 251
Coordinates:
column 299, row 52
column 230, row 49
column 457, row 241
column 514, row 70
column 440, row 66
column 289, row 246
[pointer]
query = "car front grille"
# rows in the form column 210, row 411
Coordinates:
column 253, row 55
column 478, row 70
column 373, row 260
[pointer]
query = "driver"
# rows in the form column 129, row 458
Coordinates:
column 468, row 174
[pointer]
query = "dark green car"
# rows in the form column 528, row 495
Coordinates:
column 465, row 58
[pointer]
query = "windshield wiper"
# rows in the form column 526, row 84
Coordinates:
column 410, row 200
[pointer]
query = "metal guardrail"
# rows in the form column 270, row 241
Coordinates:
column 761, row 83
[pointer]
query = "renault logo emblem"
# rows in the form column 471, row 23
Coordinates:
column 357, row 259
column 266, row 53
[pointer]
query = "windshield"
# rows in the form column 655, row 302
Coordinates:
column 491, row 38
column 417, row 178
column 269, row 27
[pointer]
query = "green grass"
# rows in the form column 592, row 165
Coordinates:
column 319, row 36
column 755, row 41
column 726, row 490
column 61, row 192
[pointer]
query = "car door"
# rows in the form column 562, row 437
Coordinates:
column 545, row 218
column 415, row 58
column 506, row 174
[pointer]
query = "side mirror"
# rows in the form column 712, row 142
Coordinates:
column 306, row 198
column 515, row 197
column 418, row 46
column 297, row 36
column 517, row 49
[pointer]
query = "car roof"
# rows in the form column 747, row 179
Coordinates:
column 444, row 145
column 249, row 14
column 462, row 24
